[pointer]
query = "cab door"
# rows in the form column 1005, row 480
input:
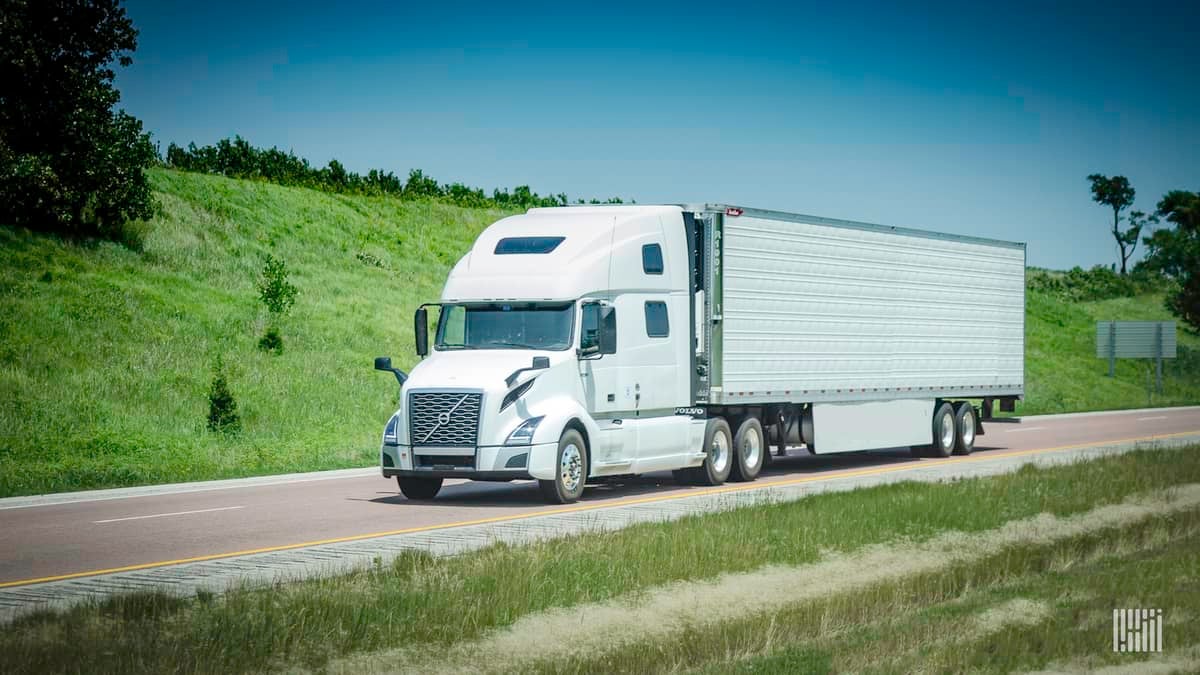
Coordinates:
column 600, row 373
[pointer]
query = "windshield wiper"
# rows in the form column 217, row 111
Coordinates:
column 459, row 347
column 514, row 345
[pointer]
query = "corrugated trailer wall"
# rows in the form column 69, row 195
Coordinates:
column 815, row 310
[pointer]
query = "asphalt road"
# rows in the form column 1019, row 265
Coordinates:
column 47, row 542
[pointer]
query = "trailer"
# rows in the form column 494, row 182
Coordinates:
column 575, row 343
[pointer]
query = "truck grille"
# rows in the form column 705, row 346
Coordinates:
column 444, row 419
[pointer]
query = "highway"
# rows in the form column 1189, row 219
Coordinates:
column 41, row 543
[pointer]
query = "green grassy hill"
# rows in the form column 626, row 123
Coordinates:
column 107, row 354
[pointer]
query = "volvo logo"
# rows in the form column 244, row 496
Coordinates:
column 443, row 418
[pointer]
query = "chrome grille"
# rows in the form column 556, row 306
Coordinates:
column 444, row 419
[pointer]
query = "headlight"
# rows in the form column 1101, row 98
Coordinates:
column 523, row 434
column 389, row 432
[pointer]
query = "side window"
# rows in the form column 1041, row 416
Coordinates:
column 452, row 325
column 590, row 334
column 598, row 329
column 656, row 319
column 652, row 262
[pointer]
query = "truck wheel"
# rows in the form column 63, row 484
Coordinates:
column 748, row 450
column 718, row 445
column 419, row 488
column 944, row 433
column 964, row 425
column 570, row 471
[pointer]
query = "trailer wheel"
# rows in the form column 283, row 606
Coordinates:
column 570, row 471
column 718, row 446
column 964, row 425
column 419, row 488
column 749, row 448
column 944, row 433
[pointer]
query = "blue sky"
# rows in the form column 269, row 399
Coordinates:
column 974, row 118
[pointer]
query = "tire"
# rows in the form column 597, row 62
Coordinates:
column 718, row 446
column 570, row 470
column 964, row 428
column 749, row 448
column 943, row 431
column 419, row 488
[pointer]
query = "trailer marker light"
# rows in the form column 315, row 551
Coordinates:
column 733, row 211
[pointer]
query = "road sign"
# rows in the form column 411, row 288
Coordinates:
column 1135, row 340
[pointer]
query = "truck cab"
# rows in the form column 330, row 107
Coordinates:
column 561, row 352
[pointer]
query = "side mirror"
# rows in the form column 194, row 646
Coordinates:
column 385, row 363
column 607, row 337
column 421, row 329
column 539, row 363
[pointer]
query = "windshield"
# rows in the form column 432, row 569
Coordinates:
column 505, row 326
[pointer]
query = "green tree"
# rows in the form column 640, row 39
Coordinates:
column 68, row 162
column 222, row 408
column 1117, row 194
column 1176, row 252
column 273, row 287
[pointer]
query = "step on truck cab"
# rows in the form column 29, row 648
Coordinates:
column 576, row 343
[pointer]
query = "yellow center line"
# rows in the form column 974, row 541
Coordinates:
column 595, row 506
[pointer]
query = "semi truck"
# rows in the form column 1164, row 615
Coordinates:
column 573, row 344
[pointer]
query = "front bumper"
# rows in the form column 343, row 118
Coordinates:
column 459, row 473
column 491, row 463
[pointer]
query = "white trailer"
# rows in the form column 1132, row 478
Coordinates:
column 581, row 342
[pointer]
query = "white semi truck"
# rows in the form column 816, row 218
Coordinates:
column 578, row 343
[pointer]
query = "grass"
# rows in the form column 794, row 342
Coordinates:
column 107, row 354
column 1062, row 373
column 428, row 605
column 1039, row 607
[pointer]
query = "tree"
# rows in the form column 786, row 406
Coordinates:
column 1117, row 194
column 1176, row 252
column 68, row 162
column 273, row 287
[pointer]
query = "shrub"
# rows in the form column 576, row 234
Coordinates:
column 273, row 287
column 1098, row 283
column 271, row 341
column 222, row 408
column 237, row 158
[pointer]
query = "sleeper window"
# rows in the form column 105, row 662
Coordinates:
column 652, row 262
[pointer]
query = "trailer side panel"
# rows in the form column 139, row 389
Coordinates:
column 815, row 310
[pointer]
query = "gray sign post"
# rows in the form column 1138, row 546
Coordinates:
column 1135, row 340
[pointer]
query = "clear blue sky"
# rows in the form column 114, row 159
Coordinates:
column 975, row 118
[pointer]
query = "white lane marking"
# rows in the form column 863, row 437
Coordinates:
column 1157, row 417
column 1015, row 431
column 164, row 515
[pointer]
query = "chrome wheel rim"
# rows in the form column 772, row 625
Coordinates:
column 571, row 467
column 968, row 428
column 718, row 452
column 752, row 448
column 947, row 431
